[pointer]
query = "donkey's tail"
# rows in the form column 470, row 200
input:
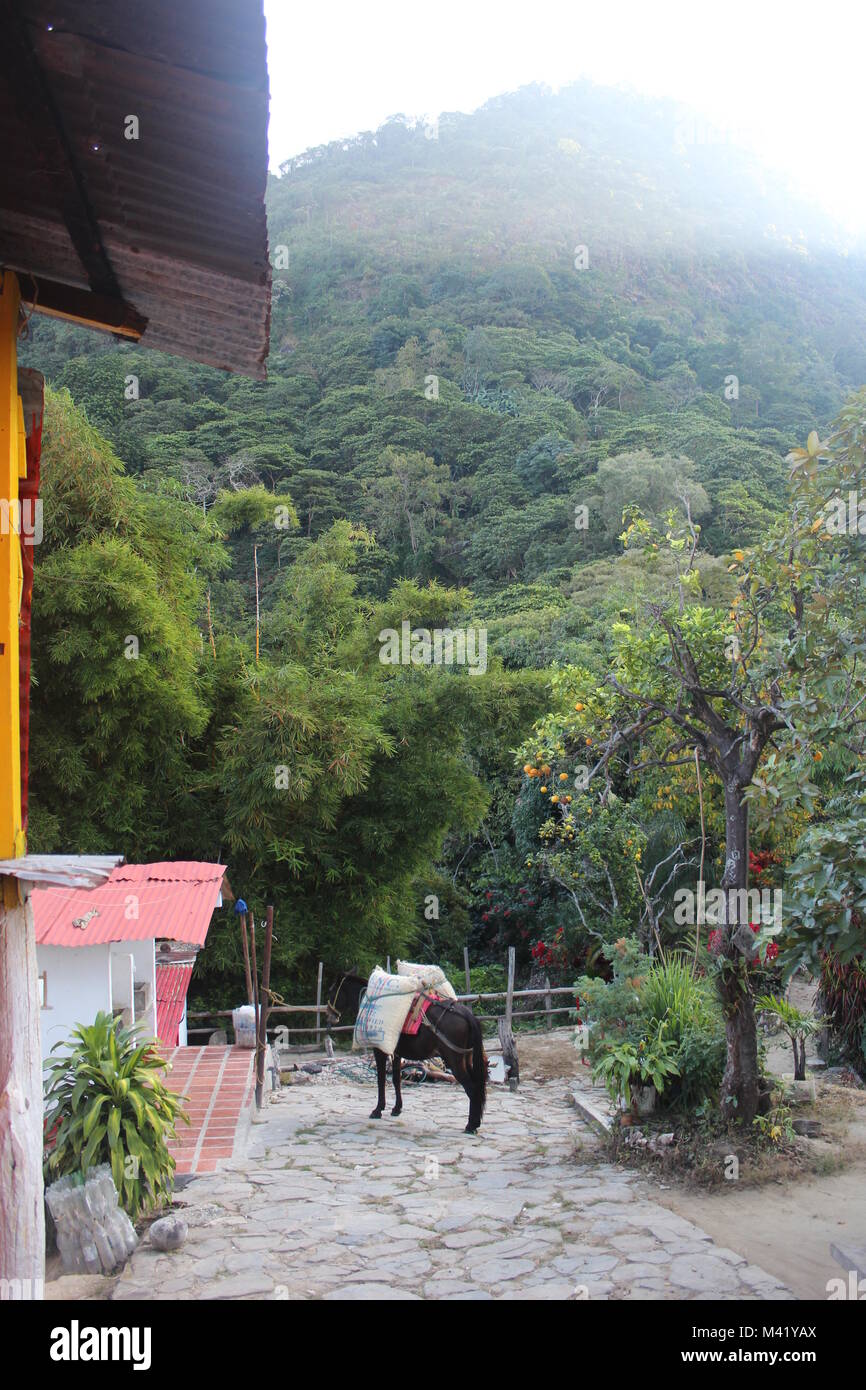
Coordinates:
column 479, row 1066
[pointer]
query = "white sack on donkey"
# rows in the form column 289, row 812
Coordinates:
column 383, row 1011
column 431, row 977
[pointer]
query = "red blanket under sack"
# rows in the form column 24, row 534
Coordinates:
column 417, row 1009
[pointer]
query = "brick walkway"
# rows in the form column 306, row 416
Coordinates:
column 218, row 1082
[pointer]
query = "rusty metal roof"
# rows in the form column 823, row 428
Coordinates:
column 165, row 234
column 139, row 901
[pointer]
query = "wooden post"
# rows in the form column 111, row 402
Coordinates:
column 319, row 1005
column 22, row 1218
column 255, row 977
column 548, row 1004
column 264, row 1009
column 22, row 1222
column 466, row 969
column 247, row 956
column 506, row 1037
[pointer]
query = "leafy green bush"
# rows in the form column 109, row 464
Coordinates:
column 613, row 1006
column 484, row 979
column 645, row 1000
column 105, row 1103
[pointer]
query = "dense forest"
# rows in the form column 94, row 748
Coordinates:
column 537, row 371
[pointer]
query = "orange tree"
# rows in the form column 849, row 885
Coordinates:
column 760, row 692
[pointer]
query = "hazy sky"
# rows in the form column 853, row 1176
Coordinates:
column 787, row 79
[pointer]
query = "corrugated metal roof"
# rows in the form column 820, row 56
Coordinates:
column 172, row 983
column 139, row 901
column 172, row 222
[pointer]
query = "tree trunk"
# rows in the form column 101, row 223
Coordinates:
column 799, row 1059
column 740, row 1097
column 22, row 1213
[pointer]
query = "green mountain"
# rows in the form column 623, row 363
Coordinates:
column 490, row 338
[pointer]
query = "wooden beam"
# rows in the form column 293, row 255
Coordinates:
column 73, row 305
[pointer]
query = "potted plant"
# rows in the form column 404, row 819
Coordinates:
column 106, row 1103
column 635, row 1073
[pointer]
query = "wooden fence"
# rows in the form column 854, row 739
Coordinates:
column 547, row 993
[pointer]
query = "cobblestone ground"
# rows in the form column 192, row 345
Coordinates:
column 329, row 1204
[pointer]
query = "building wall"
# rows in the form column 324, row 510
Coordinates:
column 82, row 980
column 78, row 987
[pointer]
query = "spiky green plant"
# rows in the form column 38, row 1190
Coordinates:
column 673, row 994
column 105, row 1102
column 843, row 995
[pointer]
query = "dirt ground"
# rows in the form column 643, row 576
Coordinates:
column 786, row 1229
column 548, row 1056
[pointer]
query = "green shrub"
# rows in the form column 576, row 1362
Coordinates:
column 106, row 1103
column 688, row 1007
column 614, row 1006
column 701, row 1060
column 671, row 992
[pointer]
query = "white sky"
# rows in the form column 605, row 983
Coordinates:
column 787, row 79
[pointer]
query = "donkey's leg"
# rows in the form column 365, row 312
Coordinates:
column 458, row 1065
column 396, row 1063
column 380, row 1077
column 475, row 1108
column 471, row 1089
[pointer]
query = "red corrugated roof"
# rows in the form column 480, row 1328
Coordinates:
column 172, row 983
column 171, row 900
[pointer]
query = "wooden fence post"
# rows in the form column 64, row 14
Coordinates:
column 466, row 969
column 264, row 1009
column 319, row 1005
column 255, row 984
column 548, row 1004
column 245, row 940
column 506, row 1037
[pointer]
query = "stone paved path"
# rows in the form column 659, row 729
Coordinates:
column 328, row 1204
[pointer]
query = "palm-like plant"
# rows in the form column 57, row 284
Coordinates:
column 105, row 1102
column 797, row 1025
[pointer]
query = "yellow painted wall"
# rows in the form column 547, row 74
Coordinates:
column 12, row 466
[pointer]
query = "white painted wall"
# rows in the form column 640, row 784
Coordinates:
column 78, row 987
column 82, row 980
